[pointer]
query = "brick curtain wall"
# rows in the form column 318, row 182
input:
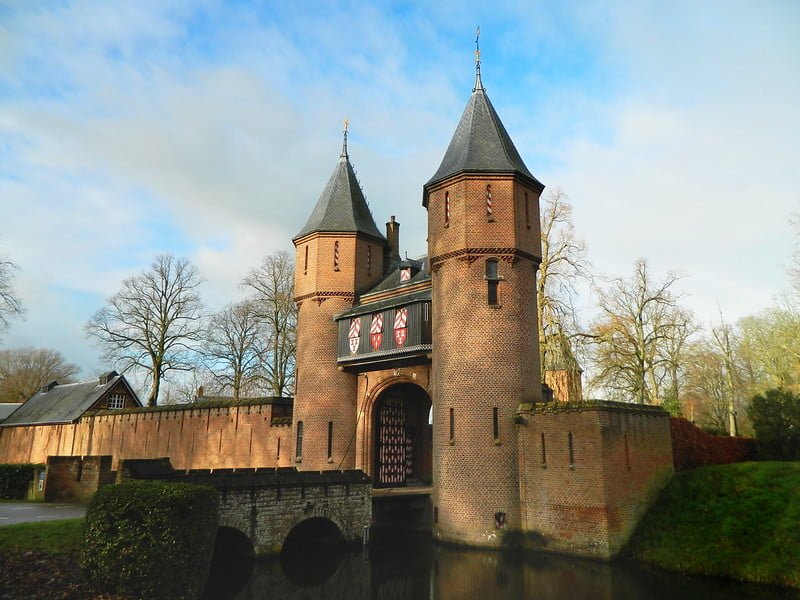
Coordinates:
column 692, row 447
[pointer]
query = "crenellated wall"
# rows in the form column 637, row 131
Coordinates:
column 211, row 437
column 588, row 472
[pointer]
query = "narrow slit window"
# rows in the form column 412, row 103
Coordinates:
column 452, row 426
column 279, row 447
column 492, row 282
column 446, row 208
column 299, row 445
column 489, row 206
column 330, row 440
column 544, row 452
column 627, row 455
column 495, row 425
column 336, row 255
column 305, row 261
column 571, row 449
column 527, row 212
column 369, row 259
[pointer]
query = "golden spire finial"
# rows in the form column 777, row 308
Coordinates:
column 346, row 124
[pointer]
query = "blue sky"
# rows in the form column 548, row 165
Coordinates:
column 208, row 129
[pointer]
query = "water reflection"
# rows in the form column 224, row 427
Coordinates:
column 399, row 567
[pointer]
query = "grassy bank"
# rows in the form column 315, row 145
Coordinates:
column 46, row 537
column 740, row 521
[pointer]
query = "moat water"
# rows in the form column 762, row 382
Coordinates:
column 410, row 566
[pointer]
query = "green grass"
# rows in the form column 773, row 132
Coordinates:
column 51, row 537
column 740, row 521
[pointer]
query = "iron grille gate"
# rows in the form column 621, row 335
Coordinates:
column 395, row 447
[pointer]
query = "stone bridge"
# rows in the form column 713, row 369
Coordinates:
column 267, row 505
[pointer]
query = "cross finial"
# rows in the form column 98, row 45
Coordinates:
column 478, row 82
column 344, row 144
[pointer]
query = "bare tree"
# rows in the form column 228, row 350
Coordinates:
column 234, row 345
column 723, row 337
column 272, row 282
column 154, row 322
column 10, row 304
column 638, row 336
column 563, row 263
column 23, row 371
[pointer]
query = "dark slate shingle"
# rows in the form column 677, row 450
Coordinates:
column 342, row 206
column 62, row 403
column 480, row 144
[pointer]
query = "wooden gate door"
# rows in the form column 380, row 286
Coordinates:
column 391, row 441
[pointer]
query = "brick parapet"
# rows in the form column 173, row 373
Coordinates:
column 193, row 436
column 601, row 467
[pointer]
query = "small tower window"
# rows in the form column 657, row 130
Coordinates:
column 493, row 281
column 305, row 261
column 279, row 448
column 369, row 259
column 495, row 424
column 298, row 448
column 489, row 207
column 527, row 212
column 446, row 209
column 336, row 255
column 405, row 274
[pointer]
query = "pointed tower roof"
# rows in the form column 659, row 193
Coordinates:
column 480, row 143
column 342, row 206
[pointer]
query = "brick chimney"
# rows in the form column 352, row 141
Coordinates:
column 393, row 239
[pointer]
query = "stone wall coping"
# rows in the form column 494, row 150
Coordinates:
column 590, row 405
column 247, row 478
column 194, row 406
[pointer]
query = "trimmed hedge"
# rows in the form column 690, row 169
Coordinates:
column 692, row 447
column 150, row 539
column 15, row 479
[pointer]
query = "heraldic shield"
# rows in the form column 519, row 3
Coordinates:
column 354, row 336
column 400, row 327
column 376, row 331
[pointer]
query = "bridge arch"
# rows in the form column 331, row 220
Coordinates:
column 232, row 541
column 398, row 440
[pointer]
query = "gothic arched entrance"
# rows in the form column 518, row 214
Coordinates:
column 402, row 437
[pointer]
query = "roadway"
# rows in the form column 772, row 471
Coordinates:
column 12, row 513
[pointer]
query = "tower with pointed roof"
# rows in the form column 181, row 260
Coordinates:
column 484, row 249
column 339, row 253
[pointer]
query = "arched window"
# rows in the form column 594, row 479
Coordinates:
column 492, row 281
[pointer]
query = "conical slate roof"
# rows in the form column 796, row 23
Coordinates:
column 480, row 144
column 342, row 206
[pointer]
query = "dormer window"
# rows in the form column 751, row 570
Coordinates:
column 405, row 274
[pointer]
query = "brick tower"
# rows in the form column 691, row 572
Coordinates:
column 339, row 253
column 484, row 248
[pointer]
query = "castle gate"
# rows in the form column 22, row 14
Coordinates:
column 402, row 437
